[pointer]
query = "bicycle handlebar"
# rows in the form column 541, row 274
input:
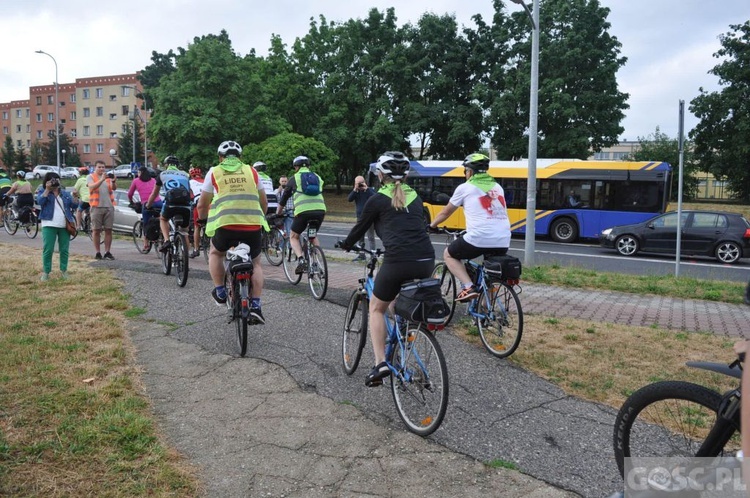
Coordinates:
column 356, row 247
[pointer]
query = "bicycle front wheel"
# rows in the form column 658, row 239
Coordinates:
column 290, row 263
column 275, row 249
column 672, row 418
column 181, row 258
column 205, row 243
column 501, row 324
column 447, row 287
column 138, row 238
column 31, row 229
column 420, row 385
column 317, row 275
column 11, row 225
column 242, row 307
column 355, row 331
column 166, row 262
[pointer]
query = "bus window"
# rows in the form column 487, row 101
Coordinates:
column 515, row 192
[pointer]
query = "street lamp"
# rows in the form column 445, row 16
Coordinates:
column 533, row 125
column 113, row 153
column 63, row 154
column 57, row 106
column 145, row 126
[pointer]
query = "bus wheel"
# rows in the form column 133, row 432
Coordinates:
column 564, row 230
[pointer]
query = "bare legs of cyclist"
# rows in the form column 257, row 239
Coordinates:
column 216, row 269
column 457, row 268
column 297, row 248
column 378, row 334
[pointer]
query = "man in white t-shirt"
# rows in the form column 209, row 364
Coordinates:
column 267, row 183
column 487, row 223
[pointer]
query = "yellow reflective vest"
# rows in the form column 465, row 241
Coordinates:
column 236, row 201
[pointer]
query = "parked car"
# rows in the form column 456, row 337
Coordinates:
column 724, row 236
column 42, row 169
column 125, row 217
column 29, row 176
column 70, row 172
column 123, row 171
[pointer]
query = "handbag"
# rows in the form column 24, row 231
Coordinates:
column 69, row 225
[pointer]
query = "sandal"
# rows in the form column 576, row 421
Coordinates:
column 377, row 374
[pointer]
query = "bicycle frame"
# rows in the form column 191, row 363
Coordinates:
column 485, row 293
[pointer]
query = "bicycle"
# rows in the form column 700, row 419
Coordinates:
column 177, row 254
column 680, row 419
column 317, row 266
column 497, row 311
column 274, row 242
column 238, row 283
column 419, row 375
column 11, row 223
column 138, row 234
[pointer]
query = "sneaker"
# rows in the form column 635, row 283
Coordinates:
column 108, row 255
column 64, row 275
column 377, row 374
column 219, row 300
column 165, row 247
column 257, row 316
column 98, row 256
column 45, row 277
column 301, row 267
column 195, row 253
column 467, row 294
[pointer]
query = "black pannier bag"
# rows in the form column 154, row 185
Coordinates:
column 505, row 267
column 152, row 228
column 422, row 301
column 24, row 214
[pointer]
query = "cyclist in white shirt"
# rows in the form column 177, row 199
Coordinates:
column 487, row 223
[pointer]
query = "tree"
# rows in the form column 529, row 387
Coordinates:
column 8, row 153
column 659, row 147
column 722, row 137
column 125, row 143
column 22, row 158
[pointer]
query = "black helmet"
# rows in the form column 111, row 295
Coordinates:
column 172, row 160
column 230, row 148
column 260, row 166
column 479, row 163
column 300, row 161
column 393, row 164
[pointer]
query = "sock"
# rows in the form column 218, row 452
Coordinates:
column 221, row 291
column 255, row 302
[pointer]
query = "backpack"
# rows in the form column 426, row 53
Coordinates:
column 178, row 196
column 422, row 301
column 310, row 183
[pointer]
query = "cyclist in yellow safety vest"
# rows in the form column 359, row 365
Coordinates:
column 307, row 206
column 233, row 207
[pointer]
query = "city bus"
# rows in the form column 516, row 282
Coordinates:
column 575, row 198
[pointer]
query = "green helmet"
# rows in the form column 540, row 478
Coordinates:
column 477, row 162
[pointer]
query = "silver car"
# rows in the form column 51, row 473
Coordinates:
column 125, row 217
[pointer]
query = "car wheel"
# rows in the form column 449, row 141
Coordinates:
column 627, row 245
column 130, row 175
column 37, row 176
column 728, row 252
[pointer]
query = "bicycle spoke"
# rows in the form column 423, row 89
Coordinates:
column 501, row 322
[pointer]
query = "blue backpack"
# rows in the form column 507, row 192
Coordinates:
column 310, row 183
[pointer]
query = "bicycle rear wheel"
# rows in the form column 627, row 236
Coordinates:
column 166, row 262
column 502, row 325
column 420, row 386
column 447, row 286
column 242, row 310
column 317, row 274
column 355, row 331
column 31, row 229
column 671, row 418
column 10, row 224
column 181, row 258
column 138, row 238
column 290, row 263
column 275, row 249
column 205, row 243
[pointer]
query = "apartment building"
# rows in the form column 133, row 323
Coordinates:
column 93, row 112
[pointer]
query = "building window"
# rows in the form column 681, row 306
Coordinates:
column 99, row 93
column 19, row 113
column 28, row 113
column 39, row 134
column 113, row 135
column 86, row 112
column 100, row 111
column 73, row 132
column 125, row 91
column 113, row 116
column 113, row 98
column 99, row 130
column 86, row 131
column 28, row 128
column 126, row 110
column 73, row 97
column 72, row 115
column 5, row 114
column 86, row 149
column 5, row 130
column 39, row 101
column 19, row 143
column 38, row 117
column 51, row 117
column 18, row 128
column 50, row 99
column 100, row 148
column 86, row 93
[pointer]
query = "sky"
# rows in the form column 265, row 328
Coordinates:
column 669, row 43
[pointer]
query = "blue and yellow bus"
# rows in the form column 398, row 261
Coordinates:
column 575, row 199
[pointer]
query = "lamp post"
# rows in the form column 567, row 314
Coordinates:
column 145, row 127
column 113, row 153
column 63, row 161
column 57, row 106
column 529, row 239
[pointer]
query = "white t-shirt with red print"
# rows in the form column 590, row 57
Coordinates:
column 487, row 223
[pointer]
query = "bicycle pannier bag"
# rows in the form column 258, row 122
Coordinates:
column 178, row 196
column 504, row 267
column 310, row 183
column 152, row 229
column 24, row 214
column 422, row 301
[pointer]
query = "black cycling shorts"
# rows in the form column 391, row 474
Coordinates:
column 224, row 239
column 391, row 276
column 169, row 210
column 460, row 249
column 301, row 220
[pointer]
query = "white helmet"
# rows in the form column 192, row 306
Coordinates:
column 230, row 147
column 393, row 164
